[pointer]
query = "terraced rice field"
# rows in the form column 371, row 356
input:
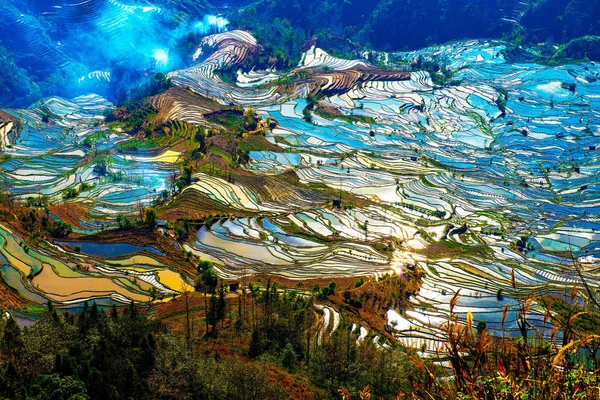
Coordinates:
column 232, row 48
column 40, row 275
column 475, row 182
column 447, row 165
column 47, row 157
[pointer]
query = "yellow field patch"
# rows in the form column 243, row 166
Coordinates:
column 173, row 281
column 137, row 260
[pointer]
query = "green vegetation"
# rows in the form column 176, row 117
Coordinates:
column 156, row 84
column 587, row 47
column 119, row 354
column 325, row 292
column 275, row 334
column 70, row 193
column 230, row 119
column 207, row 277
column 136, row 116
column 123, row 354
column 151, row 218
column 60, row 229
column 440, row 75
column 133, row 145
column 90, row 140
column 434, row 213
column 341, row 27
column 73, row 192
column 306, row 115
column 281, row 24
column 124, row 222
column 356, row 303
column 331, row 114
column 16, row 87
column 337, row 26
column 283, row 42
column 501, row 102
column 282, row 332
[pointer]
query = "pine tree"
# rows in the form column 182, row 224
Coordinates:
column 12, row 341
column 211, row 315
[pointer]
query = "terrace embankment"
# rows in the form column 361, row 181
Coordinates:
column 375, row 170
column 184, row 105
column 332, row 82
column 9, row 298
column 71, row 213
column 195, row 205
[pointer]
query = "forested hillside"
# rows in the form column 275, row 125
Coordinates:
column 409, row 24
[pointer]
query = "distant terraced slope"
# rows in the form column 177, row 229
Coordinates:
column 324, row 74
column 227, row 49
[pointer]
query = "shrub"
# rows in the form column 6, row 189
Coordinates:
column 69, row 193
column 306, row 115
column 356, row 303
column 151, row 218
column 60, row 229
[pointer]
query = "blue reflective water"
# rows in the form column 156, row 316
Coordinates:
column 110, row 250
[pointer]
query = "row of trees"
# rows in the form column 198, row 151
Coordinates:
column 284, row 330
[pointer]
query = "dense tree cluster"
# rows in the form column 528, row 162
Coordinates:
column 92, row 354
column 275, row 333
column 116, row 354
